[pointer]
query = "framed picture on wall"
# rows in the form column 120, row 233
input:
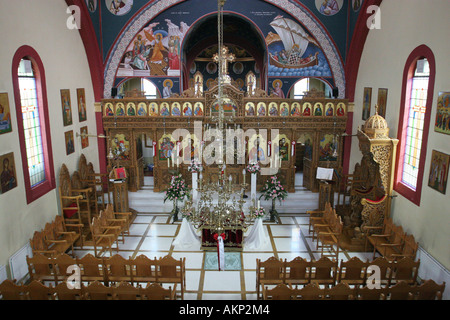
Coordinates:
column 66, row 107
column 367, row 101
column 439, row 171
column 81, row 99
column 382, row 101
column 84, row 137
column 5, row 116
column 7, row 172
column 70, row 146
column 442, row 123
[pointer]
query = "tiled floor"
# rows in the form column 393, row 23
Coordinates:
column 152, row 234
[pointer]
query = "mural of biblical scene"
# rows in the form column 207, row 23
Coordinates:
column 176, row 109
column 250, row 109
column 164, row 110
column 108, row 109
column 81, row 99
column 307, row 109
column 228, row 106
column 276, row 88
column 318, row 109
column 329, row 7
column 382, row 101
column 296, row 109
column 167, row 88
column 84, row 139
column 119, row 7
column 155, row 50
column 8, row 172
column 293, row 51
column 131, row 109
column 198, row 109
column 328, row 148
column 442, row 123
column 166, row 145
column 142, row 109
column 91, row 5
column 283, row 147
column 120, row 147
column 5, row 116
column 120, row 109
column 261, row 109
column 191, row 148
column 257, row 148
column 66, row 107
column 187, row 109
column 308, row 143
column 284, row 109
column 329, row 109
column 70, row 145
column 340, row 109
column 273, row 109
column 367, row 103
column 153, row 109
column 439, row 171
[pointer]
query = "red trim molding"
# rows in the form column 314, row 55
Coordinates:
column 33, row 193
column 420, row 52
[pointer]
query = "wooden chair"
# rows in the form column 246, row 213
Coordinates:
column 10, row 290
column 117, row 269
column 92, row 269
column 310, row 292
column 102, row 239
column 55, row 243
column 385, row 269
column 126, row 291
column 316, row 216
column 269, row 272
column 39, row 246
column 400, row 291
column 340, row 291
column 410, row 247
column 405, row 269
column 280, row 292
column 329, row 237
column 63, row 292
column 324, row 272
column 62, row 264
column 429, row 290
column 88, row 203
column 120, row 219
column 36, row 290
column 41, row 268
column 96, row 181
column 154, row 291
column 170, row 270
column 97, row 291
column 367, row 293
column 143, row 269
column 297, row 271
column 62, row 233
column 353, row 272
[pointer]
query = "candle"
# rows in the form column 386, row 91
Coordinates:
column 259, row 204
column 168, row 162
column 243, row 173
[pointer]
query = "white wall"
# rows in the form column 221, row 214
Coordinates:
column 42, row 25
column 405, row 25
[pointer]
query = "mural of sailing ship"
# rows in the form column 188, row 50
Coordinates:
column 293, row 51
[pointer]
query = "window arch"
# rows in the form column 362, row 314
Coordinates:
column 414, row 122
column 30, row 96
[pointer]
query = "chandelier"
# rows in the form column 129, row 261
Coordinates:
column 220, row 205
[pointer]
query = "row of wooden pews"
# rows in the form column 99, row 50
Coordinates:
column 327, row 272
column 109, row 271
column 36, row 290
column 429, row 290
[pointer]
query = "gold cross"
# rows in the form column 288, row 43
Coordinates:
column 226, row 58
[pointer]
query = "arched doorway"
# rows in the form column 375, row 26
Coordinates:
column 242, row 38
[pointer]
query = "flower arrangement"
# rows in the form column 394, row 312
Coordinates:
column 195, row 166
column 258, row 212
column 254, row 168
column 273, row 190
column 177, row 189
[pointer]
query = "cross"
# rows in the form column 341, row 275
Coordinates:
column 226, row 58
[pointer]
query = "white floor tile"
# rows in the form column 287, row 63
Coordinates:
column 138, row 229
column 285, row 230
column 249, row 259
column 192, row 280
column 162, row 230
column 222, row 280
column 289, row 244
column 193, row 259
column 156, row 244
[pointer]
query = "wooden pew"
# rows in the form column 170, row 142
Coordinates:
column 103, row 236
column 269, row 272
